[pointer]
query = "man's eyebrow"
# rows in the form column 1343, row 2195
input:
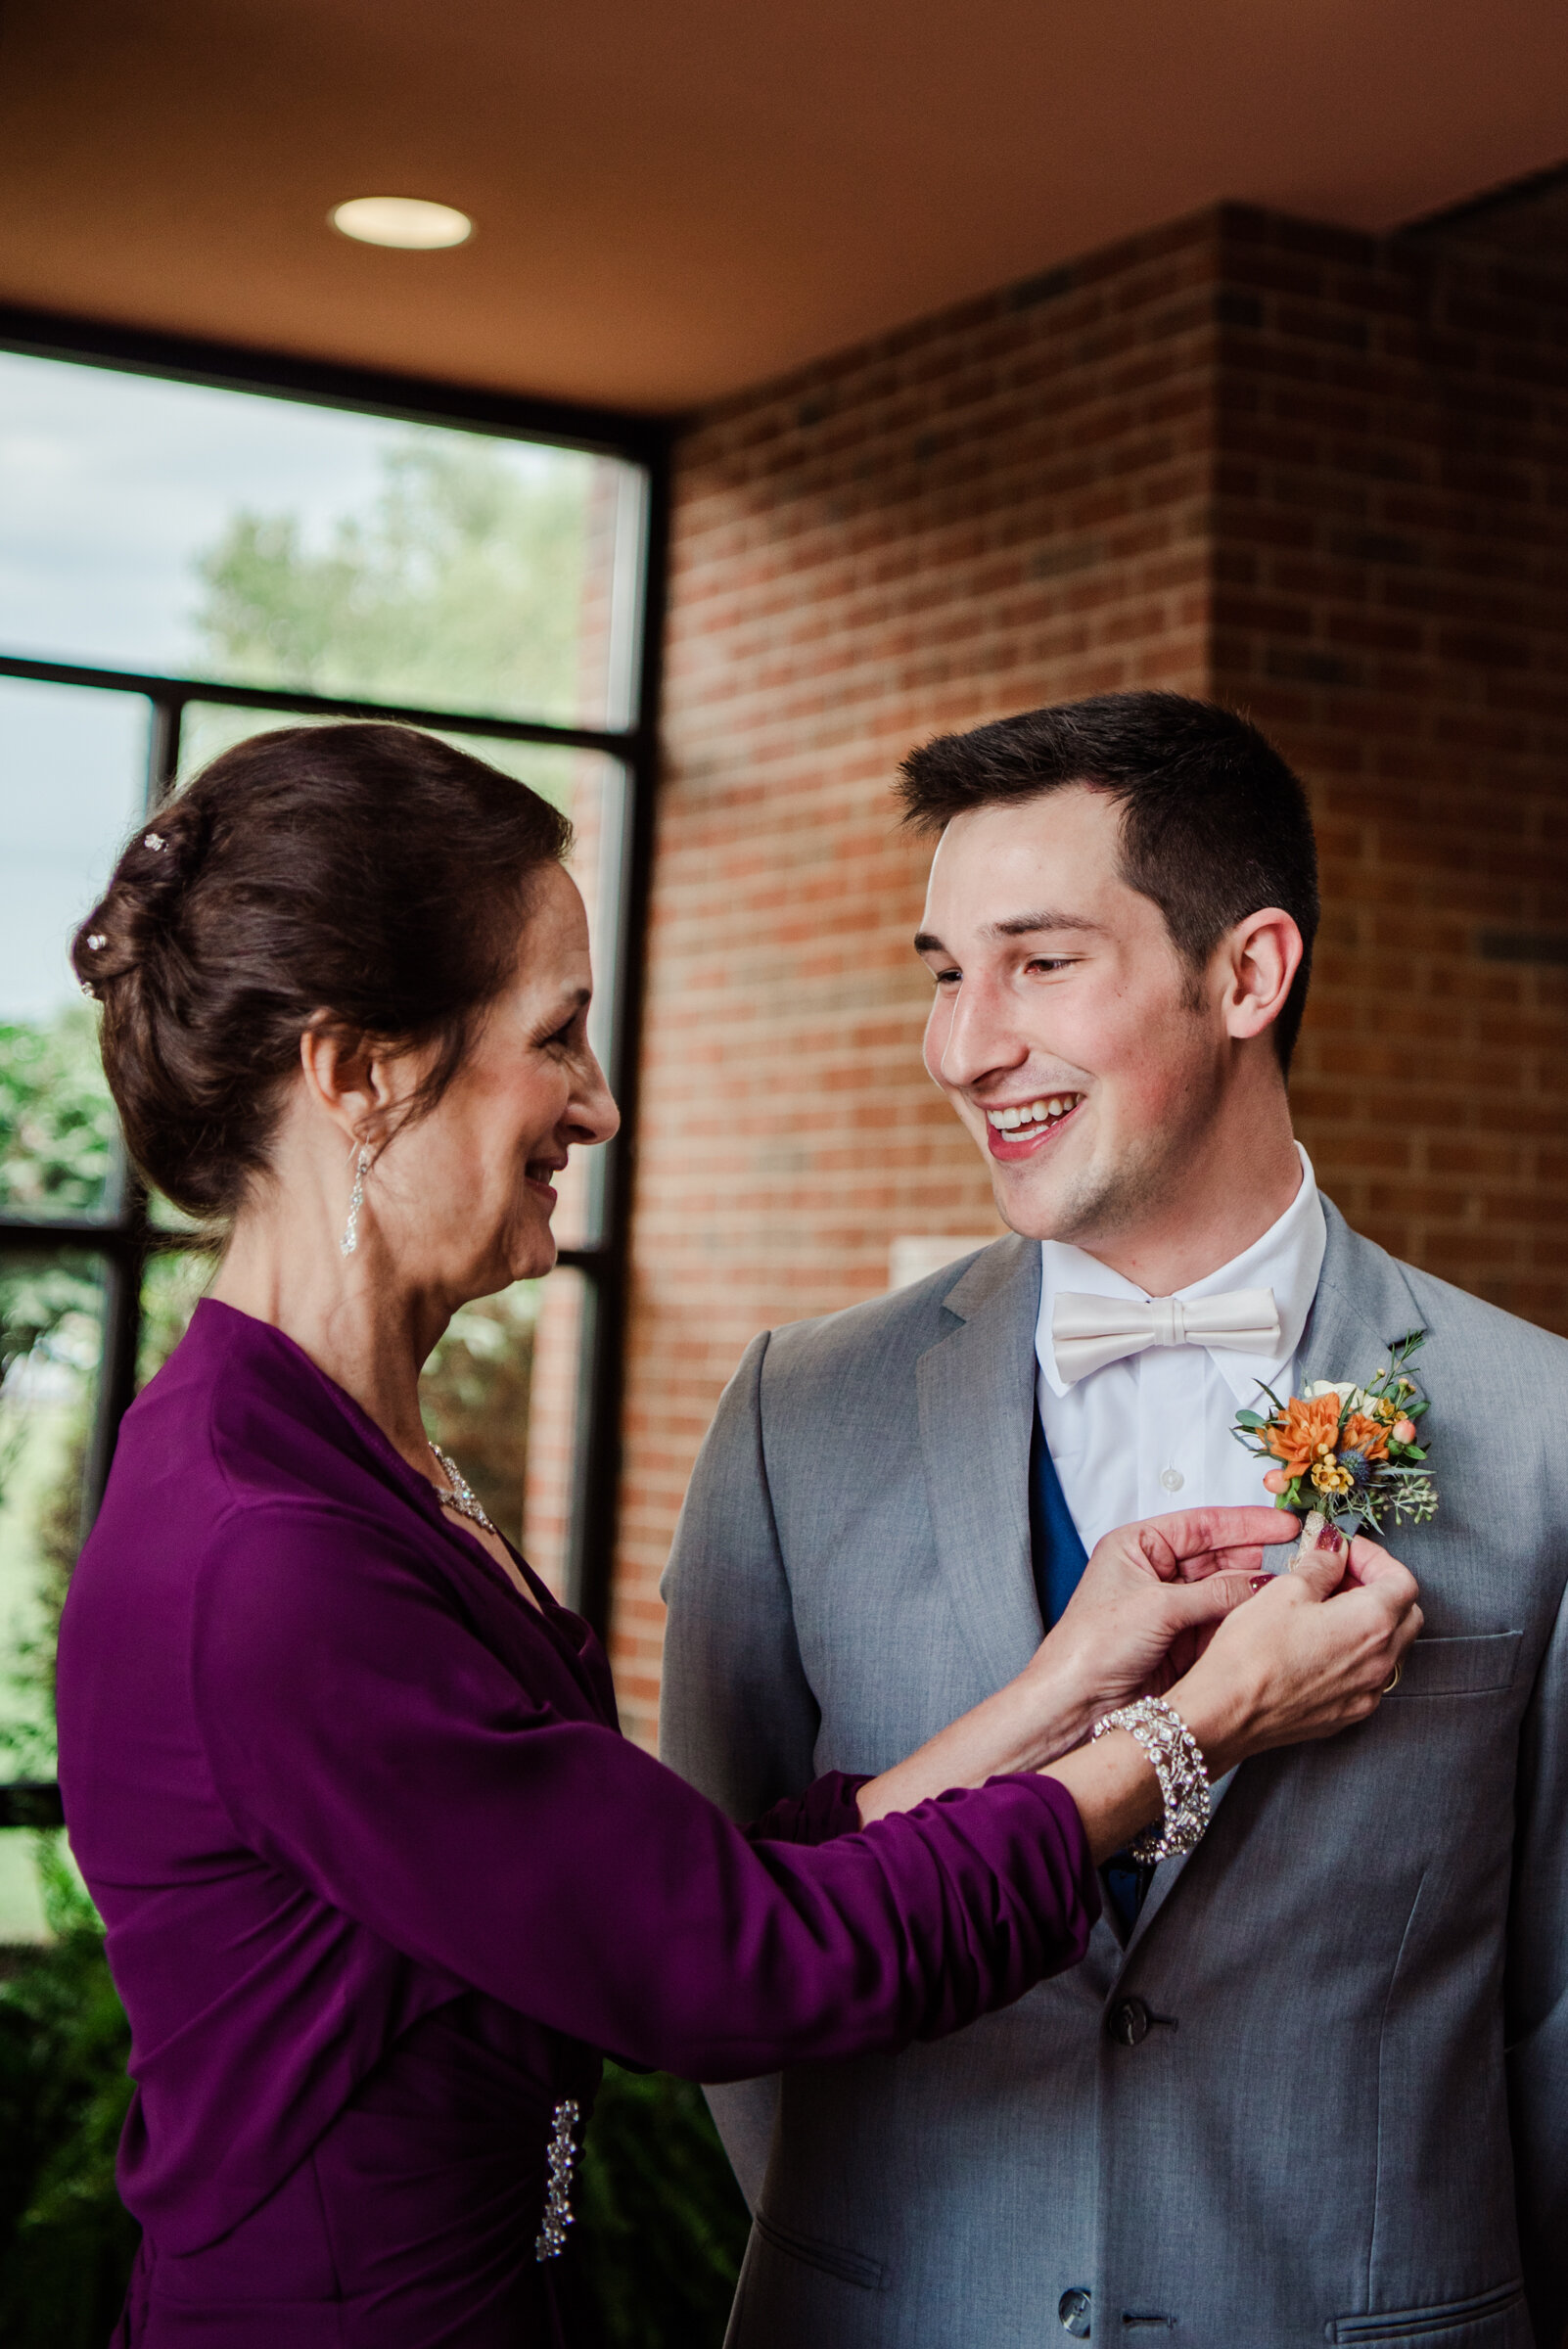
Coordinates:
column 1019, row 925
column 1048, row 917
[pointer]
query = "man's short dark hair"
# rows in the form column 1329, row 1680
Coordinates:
column 1215, row 825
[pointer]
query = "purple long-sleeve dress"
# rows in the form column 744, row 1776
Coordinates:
column 381, row 1878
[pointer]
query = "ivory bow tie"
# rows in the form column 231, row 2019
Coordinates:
column 1088, row 1332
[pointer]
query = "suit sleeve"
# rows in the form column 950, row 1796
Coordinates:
column 736, row 1712
column 736, row 1716
column 1538, row 1994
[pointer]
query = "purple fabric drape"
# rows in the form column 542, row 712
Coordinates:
column 381, row 1877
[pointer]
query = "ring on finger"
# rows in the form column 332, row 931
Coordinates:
column 1390, row 1685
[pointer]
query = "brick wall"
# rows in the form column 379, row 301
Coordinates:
column 1241, row 456
column 1003, row 506
column 1391, row 568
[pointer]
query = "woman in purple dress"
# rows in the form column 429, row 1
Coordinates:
column 381, row 1878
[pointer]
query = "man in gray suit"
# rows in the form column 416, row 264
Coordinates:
column 1313, row 2082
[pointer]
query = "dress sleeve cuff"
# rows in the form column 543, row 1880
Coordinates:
column 825, row 1810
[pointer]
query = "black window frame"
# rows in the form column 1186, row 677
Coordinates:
column 125, row 1238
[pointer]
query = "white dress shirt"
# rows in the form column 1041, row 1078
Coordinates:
column 1152, row 1433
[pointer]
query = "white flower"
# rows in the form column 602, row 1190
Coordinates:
column 1351, row 1396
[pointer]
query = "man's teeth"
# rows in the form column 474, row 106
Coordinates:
column 1031, row 1116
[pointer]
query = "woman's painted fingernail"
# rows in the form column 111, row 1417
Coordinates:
column 1261, row 1581
column 1329, row 1540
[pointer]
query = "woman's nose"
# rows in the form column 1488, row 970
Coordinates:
column 595, row 1109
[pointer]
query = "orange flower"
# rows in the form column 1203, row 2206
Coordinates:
column 1366, row 1436
column 1298, row 1434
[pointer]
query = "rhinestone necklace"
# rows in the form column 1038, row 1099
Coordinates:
column 462, row 1498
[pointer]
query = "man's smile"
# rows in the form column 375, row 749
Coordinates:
column 1021, row 1128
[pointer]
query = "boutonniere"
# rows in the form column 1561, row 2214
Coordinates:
column 1353, row 1452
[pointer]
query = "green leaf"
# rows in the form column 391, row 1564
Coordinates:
column 1250, row 1420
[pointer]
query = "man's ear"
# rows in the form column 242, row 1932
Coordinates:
column 1258, row 962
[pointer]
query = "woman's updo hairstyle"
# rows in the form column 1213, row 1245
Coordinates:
column 370, row 872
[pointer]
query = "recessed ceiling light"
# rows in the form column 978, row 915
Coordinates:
column 405, row 221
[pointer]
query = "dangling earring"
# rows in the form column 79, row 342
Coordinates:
column 356, row 1200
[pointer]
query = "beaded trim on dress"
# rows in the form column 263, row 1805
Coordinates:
column 557, row 2212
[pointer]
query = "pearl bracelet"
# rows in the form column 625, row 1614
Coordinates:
column 1181, row 1769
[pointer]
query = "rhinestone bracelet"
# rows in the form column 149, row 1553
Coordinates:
column 1181, row 1769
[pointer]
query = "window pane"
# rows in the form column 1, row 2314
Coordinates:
column 554, row 1430
column 500, row 1394
column 172, row 1284
column 476, row 1392
column 175, row 529
column 73, row 774
column 51, row 1336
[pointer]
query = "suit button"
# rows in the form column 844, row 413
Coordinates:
column 1074, row 2308
column 1129, row 2022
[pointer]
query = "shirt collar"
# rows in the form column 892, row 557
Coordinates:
column 1287, row 1259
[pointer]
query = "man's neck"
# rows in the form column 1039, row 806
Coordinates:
column 1226, row 1202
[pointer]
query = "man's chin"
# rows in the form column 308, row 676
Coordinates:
column 1055, row 1203
column 1033, row 1204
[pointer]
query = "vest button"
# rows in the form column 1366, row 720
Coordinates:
column 1074, row 2308
column 1129, row 2022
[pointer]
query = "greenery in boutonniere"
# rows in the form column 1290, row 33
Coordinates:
column 1353, row 1452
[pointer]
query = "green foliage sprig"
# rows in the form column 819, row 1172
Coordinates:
column 66, row 2241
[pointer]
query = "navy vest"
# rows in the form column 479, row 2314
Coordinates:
column 1059, row 1559
column 1057, row 1546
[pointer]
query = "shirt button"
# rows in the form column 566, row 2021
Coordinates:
column 1074, row 2309
column 1171, row 1479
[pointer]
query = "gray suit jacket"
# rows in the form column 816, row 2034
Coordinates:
column 1322, row 2093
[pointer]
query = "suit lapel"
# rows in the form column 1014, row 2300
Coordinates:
column 976, row 1391
column 1363, row 1303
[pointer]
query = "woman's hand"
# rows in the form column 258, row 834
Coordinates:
column 1149, row 1598
column 1312, row 1654
column 1149, row 1601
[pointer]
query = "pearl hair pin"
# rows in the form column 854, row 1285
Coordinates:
column 95, row 940
column 154, row 839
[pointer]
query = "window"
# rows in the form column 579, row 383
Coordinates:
column 192, row 546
